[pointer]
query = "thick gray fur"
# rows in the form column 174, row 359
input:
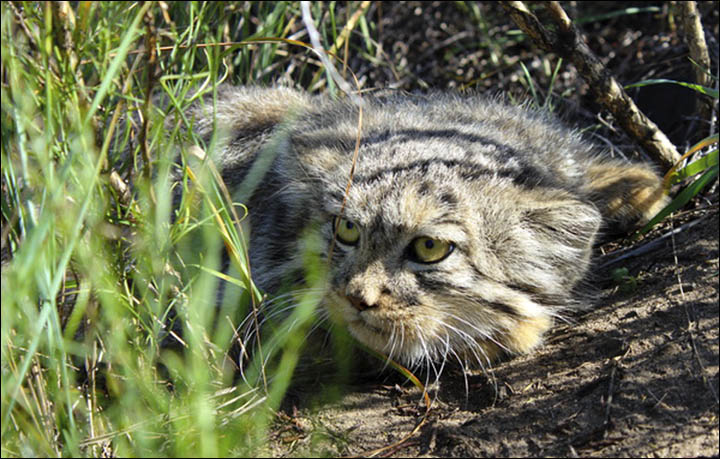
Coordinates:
column 518, row 197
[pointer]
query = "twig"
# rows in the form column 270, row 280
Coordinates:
column 697, row 45
column 569, row 44
column 320, row 51
column 610, row 392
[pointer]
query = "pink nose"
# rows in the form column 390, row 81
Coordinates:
column 359, row 303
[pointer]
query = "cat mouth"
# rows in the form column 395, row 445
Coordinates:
column 382, row 334
column 371, row 331
column 340, row 305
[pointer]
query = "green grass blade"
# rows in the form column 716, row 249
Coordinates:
column 695, row 87
column 682, row 198
column 702, row 164
column 613, row 14
column 117, row 62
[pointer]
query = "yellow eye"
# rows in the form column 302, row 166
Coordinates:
column 428, row 250
column 347, row 231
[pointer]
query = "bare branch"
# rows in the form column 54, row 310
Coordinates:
column 569, row 44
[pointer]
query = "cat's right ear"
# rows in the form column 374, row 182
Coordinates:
column 240, row 123
column 245, row 112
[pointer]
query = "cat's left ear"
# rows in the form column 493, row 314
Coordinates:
column 246, row 111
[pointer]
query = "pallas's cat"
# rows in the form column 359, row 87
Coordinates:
column 467, row 227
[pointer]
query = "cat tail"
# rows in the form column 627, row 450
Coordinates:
column 628, row 195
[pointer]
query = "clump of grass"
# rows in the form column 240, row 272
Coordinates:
column 112, row 340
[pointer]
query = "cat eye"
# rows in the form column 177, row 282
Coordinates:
column 347, row 231
column 428, row 250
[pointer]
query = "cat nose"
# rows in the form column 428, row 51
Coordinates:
column 359, row 303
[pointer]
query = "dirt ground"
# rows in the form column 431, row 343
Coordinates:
column 636, row 375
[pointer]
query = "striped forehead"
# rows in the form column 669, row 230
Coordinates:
column 404, row 198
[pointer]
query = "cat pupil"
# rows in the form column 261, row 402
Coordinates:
column 429, row 244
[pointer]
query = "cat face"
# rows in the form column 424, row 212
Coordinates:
column 427, row 265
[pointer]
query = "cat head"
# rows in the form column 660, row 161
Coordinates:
column 443, row 246
column 425, row 265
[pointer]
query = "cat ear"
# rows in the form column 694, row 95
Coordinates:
column 564, row 229
column 246, row 111
column 245, row 124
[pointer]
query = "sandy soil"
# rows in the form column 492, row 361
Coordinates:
column 637, row 375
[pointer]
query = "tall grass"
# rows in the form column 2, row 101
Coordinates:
column 112, row 340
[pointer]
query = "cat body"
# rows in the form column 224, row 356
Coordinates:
column 467, row 227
